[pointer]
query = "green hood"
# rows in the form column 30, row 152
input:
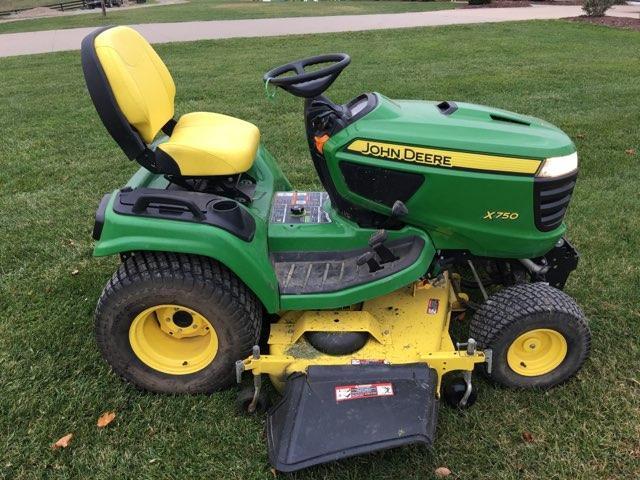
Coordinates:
column 469, row 127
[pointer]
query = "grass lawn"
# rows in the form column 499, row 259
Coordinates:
column 57, row 160
column 223, row 10
column 13, row 4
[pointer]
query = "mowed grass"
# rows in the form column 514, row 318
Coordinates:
column 56, row 161
column 223, row 10
column 13, row 4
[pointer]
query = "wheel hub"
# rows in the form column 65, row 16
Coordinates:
column 182, row 319
column 173, row 339
column 537, row 352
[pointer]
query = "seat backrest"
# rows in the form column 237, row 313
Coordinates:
column 130, row 86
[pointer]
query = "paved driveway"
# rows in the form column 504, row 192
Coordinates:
column 59, row 40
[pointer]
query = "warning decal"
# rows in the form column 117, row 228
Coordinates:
column 362, row 361
column 433, row 306
column 354, row 392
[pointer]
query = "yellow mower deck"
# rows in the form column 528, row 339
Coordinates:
column 410, row 325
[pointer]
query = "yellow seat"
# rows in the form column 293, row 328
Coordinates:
column 205, row 143
column 134, row 94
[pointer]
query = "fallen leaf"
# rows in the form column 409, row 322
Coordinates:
column 580, row 135
column 75, row 272
column 153, row 460
column 442, row 472
column 630, row 151
column 105, row 419
column 63, row 442
column 273, row 472
column 527, row 437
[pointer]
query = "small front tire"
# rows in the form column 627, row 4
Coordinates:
column 538, row 335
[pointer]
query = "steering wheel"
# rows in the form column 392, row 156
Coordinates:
column 308, row 84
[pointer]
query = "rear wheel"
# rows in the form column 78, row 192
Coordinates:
column 538, row 335
column 176, row 323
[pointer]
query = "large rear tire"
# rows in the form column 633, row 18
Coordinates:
column 175, row 323
column 538, row 335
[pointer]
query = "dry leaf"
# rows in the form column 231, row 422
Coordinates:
column 527, row 437
column 75, row 272
column 442, row 472
column 580, row 135
column 273, row 471
column 630, row 151
column 105, row 419
column 63, row 442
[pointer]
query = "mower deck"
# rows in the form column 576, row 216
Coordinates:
column 377, row 389
column 410, row 325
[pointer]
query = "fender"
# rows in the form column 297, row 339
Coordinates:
column 248, row 260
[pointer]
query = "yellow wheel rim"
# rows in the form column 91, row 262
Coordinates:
column 537, row 352
column 173, row 339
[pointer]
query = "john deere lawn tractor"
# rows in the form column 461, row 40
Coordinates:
column 344, row 298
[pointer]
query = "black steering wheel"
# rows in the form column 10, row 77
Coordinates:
column 308, row 84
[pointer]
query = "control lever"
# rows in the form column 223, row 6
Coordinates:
column 376, row 241
column 399, row 209
column 367, row 258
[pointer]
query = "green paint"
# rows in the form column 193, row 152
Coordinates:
column 448, row 211
column 249, row 260
column 451, row 204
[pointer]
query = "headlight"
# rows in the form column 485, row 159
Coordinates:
column 558, row 166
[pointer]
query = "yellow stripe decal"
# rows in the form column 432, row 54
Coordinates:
column 444, row 158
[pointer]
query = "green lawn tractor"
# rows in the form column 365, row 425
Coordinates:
column 344, row 299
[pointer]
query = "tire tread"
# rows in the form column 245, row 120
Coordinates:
column 144, row 271
column 512, row 304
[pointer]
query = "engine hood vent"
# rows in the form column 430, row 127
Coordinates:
column 504, row 118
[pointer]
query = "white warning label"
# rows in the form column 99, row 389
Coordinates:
column 361, row 361
column 353, row 392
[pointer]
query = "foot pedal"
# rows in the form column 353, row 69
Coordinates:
column 335, row 412
column 377, row 243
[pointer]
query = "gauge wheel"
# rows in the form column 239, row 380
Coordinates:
column 174, row 323
column 245, row 397
column 538, row 335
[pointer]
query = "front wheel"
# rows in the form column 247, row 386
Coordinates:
column 538, row 335
column 174, row 323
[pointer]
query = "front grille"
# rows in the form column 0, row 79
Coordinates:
column 551, row 198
